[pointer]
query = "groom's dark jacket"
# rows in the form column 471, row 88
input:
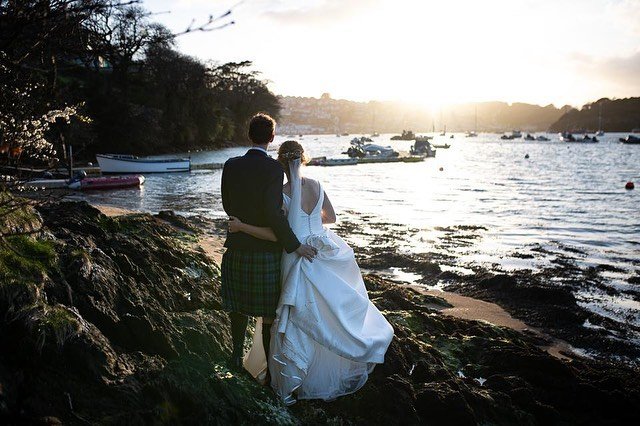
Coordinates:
column 252, row 192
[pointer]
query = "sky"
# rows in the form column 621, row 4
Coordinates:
column 427, row 52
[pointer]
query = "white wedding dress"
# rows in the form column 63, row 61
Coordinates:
column 327, row 336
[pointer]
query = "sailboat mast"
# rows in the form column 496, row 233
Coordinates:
column 475, row 127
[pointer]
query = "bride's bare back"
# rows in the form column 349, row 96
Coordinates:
column 310, row 195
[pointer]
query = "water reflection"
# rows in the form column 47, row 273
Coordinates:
column 570, row 193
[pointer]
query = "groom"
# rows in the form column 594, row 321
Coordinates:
column 252, row 192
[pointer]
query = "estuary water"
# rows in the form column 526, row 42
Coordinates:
column 565, row 197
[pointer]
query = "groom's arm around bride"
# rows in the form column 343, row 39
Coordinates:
column 252, row 191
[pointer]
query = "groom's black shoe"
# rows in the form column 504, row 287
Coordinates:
column 236, row 360
column 236, row 363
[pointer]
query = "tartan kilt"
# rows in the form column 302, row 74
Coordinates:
column 251, row 282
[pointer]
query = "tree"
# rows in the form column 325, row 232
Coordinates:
column 241, row 93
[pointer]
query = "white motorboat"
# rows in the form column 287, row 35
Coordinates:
column 110, row 163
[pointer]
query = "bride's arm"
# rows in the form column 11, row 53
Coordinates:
column 328, row 214
column 263, row 233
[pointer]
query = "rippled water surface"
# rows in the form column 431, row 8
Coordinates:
column 568, row 195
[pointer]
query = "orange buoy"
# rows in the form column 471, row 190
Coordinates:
column 629, row 185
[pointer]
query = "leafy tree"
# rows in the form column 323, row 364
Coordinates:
column 241, row 93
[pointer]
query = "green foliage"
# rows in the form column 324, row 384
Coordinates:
column 59, row 323
column 25, row 258
column 137, row 95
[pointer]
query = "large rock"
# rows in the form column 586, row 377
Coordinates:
column 118, row 320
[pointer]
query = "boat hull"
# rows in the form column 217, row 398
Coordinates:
column 113, row 164
column 107, row 182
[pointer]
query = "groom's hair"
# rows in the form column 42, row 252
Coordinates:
column 261, row 128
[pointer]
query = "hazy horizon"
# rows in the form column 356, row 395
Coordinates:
column 431, row 53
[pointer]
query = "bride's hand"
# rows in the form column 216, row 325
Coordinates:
column 235, row 224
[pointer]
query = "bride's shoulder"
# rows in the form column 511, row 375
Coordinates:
column 315, row 183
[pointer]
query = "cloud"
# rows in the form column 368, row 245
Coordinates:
column 621, row 72
column 316, row 12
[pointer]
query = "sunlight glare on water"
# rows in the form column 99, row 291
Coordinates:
column 568, row 194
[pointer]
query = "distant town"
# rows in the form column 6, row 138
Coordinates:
column 325, row 115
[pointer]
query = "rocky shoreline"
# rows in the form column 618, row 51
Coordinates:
column 543, row 298
column 118, row 320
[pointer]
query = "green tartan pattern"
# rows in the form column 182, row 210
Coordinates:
column 251, row 282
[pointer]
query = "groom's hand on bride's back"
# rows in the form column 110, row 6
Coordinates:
column 307, row 252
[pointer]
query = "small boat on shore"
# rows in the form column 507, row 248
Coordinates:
column 106, row 182
column 47, row 183
column 111, row 163
column 542, row 138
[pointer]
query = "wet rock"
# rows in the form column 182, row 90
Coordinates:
column 124, row 326
column 438, row 404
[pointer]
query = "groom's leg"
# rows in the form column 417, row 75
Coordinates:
column 266, row 335
column 238, row 332
column 266, row 343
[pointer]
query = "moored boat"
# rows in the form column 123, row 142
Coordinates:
column 443, row 146
column 516, row 134
column 106, row 182
column 568, row 137
column 630, row 140
column 110, row 163
column 423, row 148
column 407, row 135
column 324, row 161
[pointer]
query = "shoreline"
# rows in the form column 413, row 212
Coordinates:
column 463, row 307
column 120, row 319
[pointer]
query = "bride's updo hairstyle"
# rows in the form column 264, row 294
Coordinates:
column 290, row 150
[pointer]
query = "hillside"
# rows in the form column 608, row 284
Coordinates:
column 618, row 115
column 327, row 115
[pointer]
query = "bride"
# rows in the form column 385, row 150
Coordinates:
column 327, row 335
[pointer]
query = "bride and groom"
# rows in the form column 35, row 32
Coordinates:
column 318, row 336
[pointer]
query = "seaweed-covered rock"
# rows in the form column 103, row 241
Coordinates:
column 118, row 320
